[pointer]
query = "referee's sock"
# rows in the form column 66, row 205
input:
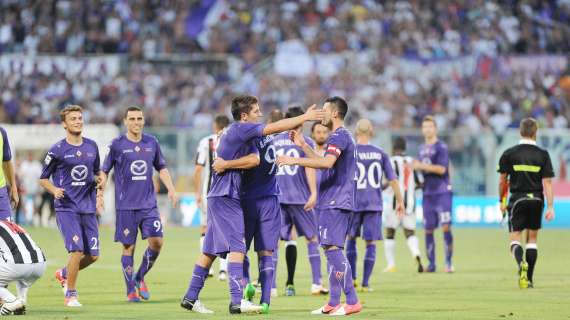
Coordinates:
column 291, row 260
column 517, row 251
column 531, row 256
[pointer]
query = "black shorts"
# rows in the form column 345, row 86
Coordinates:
column 525, row 211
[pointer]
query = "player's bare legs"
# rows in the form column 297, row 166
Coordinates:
column 448, row 240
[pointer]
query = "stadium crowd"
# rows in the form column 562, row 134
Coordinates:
column 377, row 34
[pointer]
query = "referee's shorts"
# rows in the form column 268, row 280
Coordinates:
column 26, row 274
column 525, row 211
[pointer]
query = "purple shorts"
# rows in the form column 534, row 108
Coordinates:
column 262, row 222
column 370, row 222
column 80, row 232
column 333, row 226
column 128, row 222
column 5, row 207
column 437, row 210
column 305, row 222
column 225, row 227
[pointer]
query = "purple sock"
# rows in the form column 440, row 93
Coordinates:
column 71, row 293
column 448, row 239
column 64, row 272
column 148, row 260
column 235, row 273
column 275, row 258
column 351, row 255
column 266, row 270
column 430, row 250
column 315, row 260
column 334, row 284
column 196, row 283
column 341, row 271
column 369, row 261
column 127, row 263
column 245, row 280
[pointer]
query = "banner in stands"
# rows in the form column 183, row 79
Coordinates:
column 72, row 66
column 479, row 212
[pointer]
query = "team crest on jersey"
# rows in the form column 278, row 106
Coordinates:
column 78, row 153
column 75, row 238
column 137, row 149
column 126, row 232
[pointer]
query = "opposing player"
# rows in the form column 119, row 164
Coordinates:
column 335, row 202
column 298, row 198
column 528, row 170
column 226, row 231
column 434, row 164
column 372, row 165
column 203, row 181
column 408, row 181
column 22, row 262
column 7, row 176
column 134, row 155
column 73, row 166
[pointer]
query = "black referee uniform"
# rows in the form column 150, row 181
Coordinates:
column 526, row 165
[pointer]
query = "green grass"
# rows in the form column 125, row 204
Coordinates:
column 483, row 287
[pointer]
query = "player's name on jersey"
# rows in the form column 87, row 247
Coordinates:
column 265, row 141
column 283, row 142
column 369, row 156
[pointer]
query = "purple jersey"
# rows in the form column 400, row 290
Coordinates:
column 73, row 168
column 372, row 164
column 260, row 181
column 435, row 154
column 234, row 143
column 292, row 179
column 336, row 190
column 133, row 163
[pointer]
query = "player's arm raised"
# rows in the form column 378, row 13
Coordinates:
column 246, row 162
column 325, row 162
column 312, row 114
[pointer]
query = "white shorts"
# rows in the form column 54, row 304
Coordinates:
column 391, row 220
column 204, row 211
column 25, row 274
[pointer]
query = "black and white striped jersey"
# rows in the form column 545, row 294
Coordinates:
column 408, row 179
column 17, row 246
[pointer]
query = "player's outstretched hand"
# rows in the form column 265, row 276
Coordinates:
column 219, row 165
column 549, row 214
column 297, row 138
column 285, row 161
column 173, row 197
column 14, row 198
column 311, row 202
column 314, row 114
column 58, row 193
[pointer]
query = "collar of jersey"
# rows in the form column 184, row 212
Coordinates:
column 527, row 141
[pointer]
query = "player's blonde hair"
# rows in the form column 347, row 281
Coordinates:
column 364, row 128
column 429, row 118
column 69, row 109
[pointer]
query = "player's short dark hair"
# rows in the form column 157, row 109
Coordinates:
column 294, row 111
column 399, row 144
column 340, row 105
column 275, row 115
column 68, row 109
column 132, row 108
column 242, row 104
column 528, row 127
column 221, row 121
column 429, row 118
column 314, row 126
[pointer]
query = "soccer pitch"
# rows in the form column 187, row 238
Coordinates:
column 483, row 287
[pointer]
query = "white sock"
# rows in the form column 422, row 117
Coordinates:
column 202, row 243
column 290, row 243
column 6, row 295
column 22, row 291
column 389, row 245
column 223, row 265
column 414, row 245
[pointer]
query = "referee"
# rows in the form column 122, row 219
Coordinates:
column 525, row 169
column 21, row 261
